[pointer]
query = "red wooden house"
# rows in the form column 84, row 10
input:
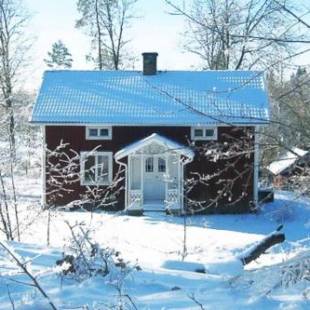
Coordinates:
column 184, row 139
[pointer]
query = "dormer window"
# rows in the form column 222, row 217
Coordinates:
column 98, row 133
column 204, row 133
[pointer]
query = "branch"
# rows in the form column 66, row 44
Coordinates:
column 23, row 267
column 292, row 14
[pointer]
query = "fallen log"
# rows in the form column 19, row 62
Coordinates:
column 260, row 248
column 231, row 266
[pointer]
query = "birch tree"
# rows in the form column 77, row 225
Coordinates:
column 106, row 22
column 14, row 45
column 233, row 34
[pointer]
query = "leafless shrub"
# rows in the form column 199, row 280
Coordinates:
column 85, row 258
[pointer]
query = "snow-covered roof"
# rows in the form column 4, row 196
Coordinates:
column 286, row 160
column 167, row 98
column 169, row 144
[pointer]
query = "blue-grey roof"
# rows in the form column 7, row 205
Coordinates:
column 168, row 98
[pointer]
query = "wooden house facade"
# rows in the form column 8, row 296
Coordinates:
column 156, row 140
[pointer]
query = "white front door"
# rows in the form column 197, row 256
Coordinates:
column 154, row 185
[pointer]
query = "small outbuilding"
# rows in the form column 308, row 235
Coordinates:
column 288, row 167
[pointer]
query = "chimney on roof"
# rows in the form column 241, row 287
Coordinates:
column 149, row 63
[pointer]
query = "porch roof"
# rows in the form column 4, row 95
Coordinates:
column 171, row 145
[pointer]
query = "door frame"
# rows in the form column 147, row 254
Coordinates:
column 139, row 192
column 155, row 158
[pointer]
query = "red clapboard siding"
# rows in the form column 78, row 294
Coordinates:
column 122, row 136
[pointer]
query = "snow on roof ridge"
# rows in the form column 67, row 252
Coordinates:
column 299, row 151
column 159, row 71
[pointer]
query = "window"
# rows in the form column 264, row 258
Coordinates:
column 161, row 165
column 149, row 164
column 96, row 168
column 98, row 133
column 209, row 132
column 204, row 133
column 198, row 133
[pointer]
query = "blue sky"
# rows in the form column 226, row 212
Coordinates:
column 155, row 30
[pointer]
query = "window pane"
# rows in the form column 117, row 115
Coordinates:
column 161, row 165
column 198, row 133
column 104, row 132
column 93, row 132
column 149, row 164
column 173, row 177
column 103, row 169
column 135, row 172
column 89, row 169
column 209, row 132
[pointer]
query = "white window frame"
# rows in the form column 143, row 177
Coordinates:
column 108, row 137
column 203, row 137
column 83, row 157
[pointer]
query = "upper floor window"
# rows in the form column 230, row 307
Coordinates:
column 204, row 133
column 98, row 133
column 96, row 168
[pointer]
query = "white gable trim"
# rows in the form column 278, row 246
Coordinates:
column 171, row 145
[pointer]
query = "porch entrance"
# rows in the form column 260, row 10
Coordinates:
column 154, row 177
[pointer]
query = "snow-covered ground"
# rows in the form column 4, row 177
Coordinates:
column 155, row 242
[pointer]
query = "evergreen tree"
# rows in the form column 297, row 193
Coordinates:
column 59, row 57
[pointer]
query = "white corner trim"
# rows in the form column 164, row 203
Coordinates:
column 203, row 137
column 183, row 164
column 43, row 168
column 83, row 157
column 126, row 180
column 256, row 166
column 108, row 137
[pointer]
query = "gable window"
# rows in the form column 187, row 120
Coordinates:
column 204, row 133
column 96, row 168
column 99, row 133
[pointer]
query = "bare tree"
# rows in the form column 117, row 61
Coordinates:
column 232, row 34
column 106, row 22
column 14, row 45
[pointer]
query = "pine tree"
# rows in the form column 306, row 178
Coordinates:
column 59, row 57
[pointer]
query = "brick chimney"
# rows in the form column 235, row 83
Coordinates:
column 149, row 63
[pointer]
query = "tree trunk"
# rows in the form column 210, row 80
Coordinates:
column 259, row 249
column 99, row 40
